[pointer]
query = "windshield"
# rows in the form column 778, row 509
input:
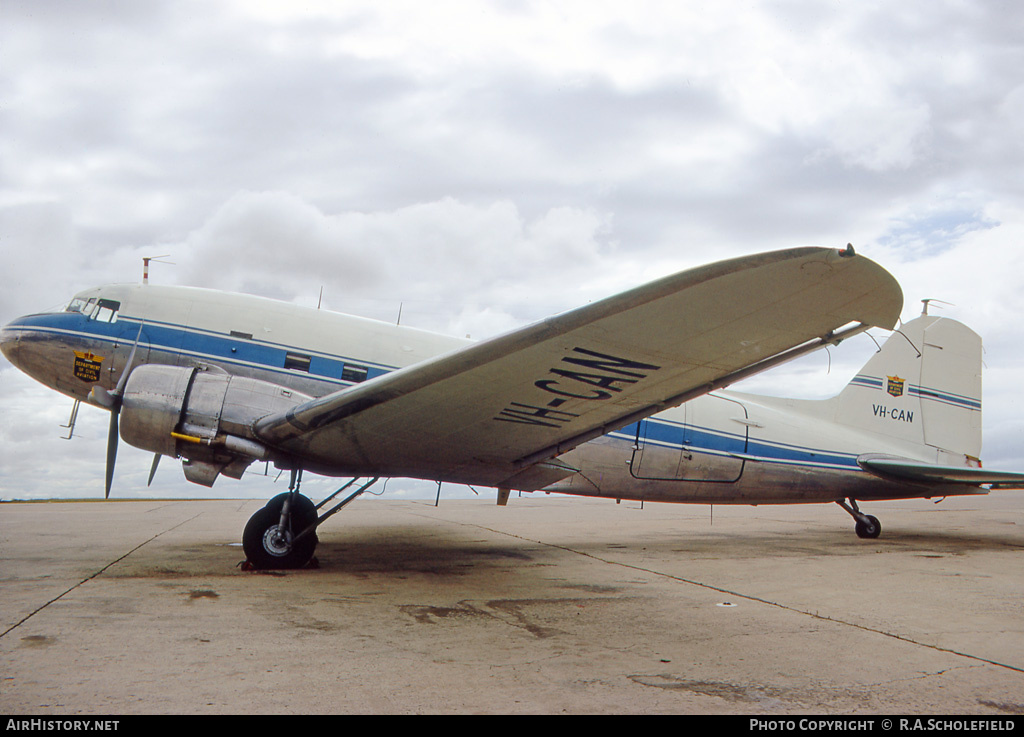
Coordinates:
column 101, row 310
column 84, row 306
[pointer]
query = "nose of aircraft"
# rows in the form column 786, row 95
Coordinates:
column 10, row 335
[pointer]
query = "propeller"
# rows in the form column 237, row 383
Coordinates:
column 112, row 435
column 152, row 469
column 112, row 400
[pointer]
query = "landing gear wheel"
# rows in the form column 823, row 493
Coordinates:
column 869, row 527
column 267, row 546
column 303, row 510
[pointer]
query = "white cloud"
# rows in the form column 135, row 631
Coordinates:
column 433, row 257
column 484, row 165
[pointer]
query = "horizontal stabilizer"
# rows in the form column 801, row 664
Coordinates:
column 929, row 473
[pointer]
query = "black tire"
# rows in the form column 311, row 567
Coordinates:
column 870, row 528
column 267, row 549
column 303, row 510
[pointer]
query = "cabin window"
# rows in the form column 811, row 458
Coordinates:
column 354, row 373
column 106, row 310
column 297, row 361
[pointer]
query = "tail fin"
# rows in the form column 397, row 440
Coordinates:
column 924, row 387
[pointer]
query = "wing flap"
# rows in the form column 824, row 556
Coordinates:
column 484, row 413
column 538, row 476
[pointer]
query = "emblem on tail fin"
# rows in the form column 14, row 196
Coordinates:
column 894, row 385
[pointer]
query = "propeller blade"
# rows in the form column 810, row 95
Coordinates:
column 128, row 366
column 152, row 470
column 112, row 400
column 112, row 434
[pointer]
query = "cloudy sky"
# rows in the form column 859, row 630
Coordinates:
column 481, row 165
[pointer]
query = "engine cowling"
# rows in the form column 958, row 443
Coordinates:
column 201, row 414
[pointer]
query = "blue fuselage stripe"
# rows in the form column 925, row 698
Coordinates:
column 692, row 438
column 199, row 344
column 177, row 340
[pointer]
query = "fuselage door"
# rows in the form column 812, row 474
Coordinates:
column 701, row 442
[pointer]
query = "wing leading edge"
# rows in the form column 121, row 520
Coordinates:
column 497, row 412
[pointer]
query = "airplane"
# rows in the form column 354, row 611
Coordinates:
column 622, row 398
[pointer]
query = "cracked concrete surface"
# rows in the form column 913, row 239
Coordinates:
column 549, row 605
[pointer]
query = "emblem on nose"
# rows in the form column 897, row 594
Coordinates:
column 87, row 366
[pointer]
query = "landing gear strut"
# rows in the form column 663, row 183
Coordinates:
column 867, row 526
column 282, row 535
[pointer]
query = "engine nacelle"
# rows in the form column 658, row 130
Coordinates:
column 201, row 414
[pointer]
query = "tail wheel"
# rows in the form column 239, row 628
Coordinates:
column 866, row 526
column 869, row 527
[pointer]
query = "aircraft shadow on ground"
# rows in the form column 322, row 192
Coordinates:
column 408, row 550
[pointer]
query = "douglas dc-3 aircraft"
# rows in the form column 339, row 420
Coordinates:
column 621, row 398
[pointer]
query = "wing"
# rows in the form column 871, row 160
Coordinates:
column 496, row 412
column 927, row 473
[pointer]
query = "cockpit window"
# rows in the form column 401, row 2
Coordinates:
column 106, row 310
column 101, row 310
column 78, row 304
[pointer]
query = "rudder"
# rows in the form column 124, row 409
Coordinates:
column 923, row 387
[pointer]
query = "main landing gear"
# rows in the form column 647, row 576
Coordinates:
column 867, row 526
column 282, row 535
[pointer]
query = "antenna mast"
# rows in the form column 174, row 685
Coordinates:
column 145, row 265
column 932, row 299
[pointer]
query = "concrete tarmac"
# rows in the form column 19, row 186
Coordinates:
column 549, row 605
